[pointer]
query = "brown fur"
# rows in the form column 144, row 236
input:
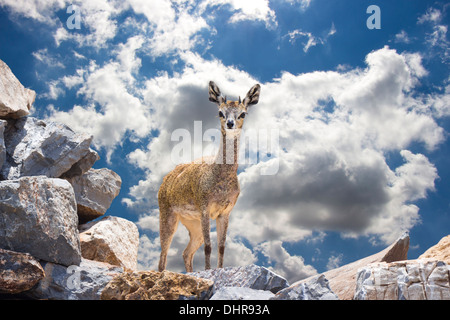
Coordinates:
column 196, row 192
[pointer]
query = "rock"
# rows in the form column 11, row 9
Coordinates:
column 113, row 240
column 18, row 272
column 35, row 147
column 153, row 285
column 3, row 124
column 250, row 276
column 241, row 293
column 82, row 166
column 342, row 280
column 440, row 251
column 38, row 216
column 83, row 282
column 95, row 190
column 15, row 100
column 404, row 280
column 315, row 288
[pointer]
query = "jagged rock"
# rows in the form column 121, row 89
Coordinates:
column 38, row 216
column 342, row 280
column 153, row 285
column 315, row 288
column 18, row 272
column 113, row 240
column 241, row 293
column 3, row 124
column 83, row 282
column 404, row 280
column 82, row 166
column 250, row 276
column 36, row 147
column 95, row 190
column 15, row 100
column 440, row 251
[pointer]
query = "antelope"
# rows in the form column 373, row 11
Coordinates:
column 196, row 192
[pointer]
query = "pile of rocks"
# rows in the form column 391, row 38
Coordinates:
column 48, row 193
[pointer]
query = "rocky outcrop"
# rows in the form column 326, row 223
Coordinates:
column 36, row 147
column 95, row 190
column 342, row 280
column 404, row 280
column 18, row 272
column 85, row 281
column 250, row 276
column 38, row 216
column 153, row 285
column 15, row 99
column 314, row 288
column 113, row 240
column 441, row 251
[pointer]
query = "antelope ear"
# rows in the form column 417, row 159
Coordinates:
column 252, row 96
column 214, row 94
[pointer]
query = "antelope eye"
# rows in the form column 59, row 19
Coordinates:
column 242, row 115
column 221, row 114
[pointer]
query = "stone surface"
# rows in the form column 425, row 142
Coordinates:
column 440, row 251
column 342, row 280
column 36, row 147
column 241, row 293
column 113, row 240
column 15, row 100
column 3, row 124
column 83, row 282
column 18, row 272
column 315, row 288
column 250, row 276
column 95, row 190
column 404, row 280
column 153, row 285
column 38, row 216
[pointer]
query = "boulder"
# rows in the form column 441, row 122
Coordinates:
column 3, row 124
column 113, row 240
column 342, row 280
column 314, row 288
column 83, row 282
column 36, row 147
column 15, row 100
column 95, row 190
column 440, row 251
column 250, row 276
column 38, row 216
column 404, row 280
column 18, row 272
column 241, row 293
column 153, row 285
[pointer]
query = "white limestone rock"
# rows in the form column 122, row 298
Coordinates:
column 15, row 99
column 38, row 216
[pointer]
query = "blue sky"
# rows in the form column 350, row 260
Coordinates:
column 362, row 114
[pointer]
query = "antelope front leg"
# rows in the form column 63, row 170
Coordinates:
column 222, row 226
column 206, row 239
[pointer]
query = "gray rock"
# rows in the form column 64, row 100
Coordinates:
column 83, row 282
column 38, row 216
column 241, row 293
column 18, row 272
column 94, row 191
column 15, row 100
column 422, row 279
column 316, row 288
column 3, row 124
column 36, row 147
column 250, row 276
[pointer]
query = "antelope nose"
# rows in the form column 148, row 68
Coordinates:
column 230, row 124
